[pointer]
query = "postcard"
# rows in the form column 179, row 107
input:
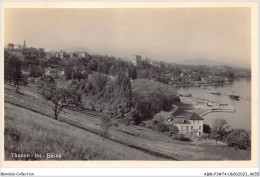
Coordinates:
column 129, row 84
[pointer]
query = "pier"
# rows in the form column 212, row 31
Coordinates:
column 228, row 109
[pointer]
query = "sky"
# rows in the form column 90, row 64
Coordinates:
column 167, row 34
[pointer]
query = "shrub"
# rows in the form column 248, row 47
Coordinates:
column 181, row 138
column 158, row 125
column 204, row 136
column 173, row 130
column 206, row 128
column 238, row 138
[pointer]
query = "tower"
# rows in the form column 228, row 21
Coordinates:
column 24, row 44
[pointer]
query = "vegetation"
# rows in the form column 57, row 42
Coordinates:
column 28, row 132
column 158, row 124
column 150, row 97
column 204, row 136
column 238, row 138
column 219, row 129
column 12, row 70
column 181, row 138
column 57, row 95
column 206, row 128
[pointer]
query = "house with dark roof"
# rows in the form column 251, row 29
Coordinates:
column 189, row 124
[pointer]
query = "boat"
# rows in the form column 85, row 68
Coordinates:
column 215, row 93
column 233, row 96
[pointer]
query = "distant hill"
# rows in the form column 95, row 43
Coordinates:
column 208, row 62
column 80, row 49
column 200, row 62
column 75, row 49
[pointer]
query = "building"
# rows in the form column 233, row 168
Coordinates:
column 81, row 54
column 190, row 124
column 11, row 46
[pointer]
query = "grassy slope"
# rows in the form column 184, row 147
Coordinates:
column 30, row 132
column 134, row 136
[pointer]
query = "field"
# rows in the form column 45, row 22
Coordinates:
column 29, row 127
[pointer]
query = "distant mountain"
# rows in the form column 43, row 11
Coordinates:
column 79, row 49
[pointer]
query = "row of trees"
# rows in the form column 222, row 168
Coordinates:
column 75, row 67
column 111, row 97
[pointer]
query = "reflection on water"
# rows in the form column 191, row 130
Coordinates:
column 242, row 87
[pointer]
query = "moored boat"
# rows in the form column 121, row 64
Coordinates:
column 215, row 93
column 233, row 96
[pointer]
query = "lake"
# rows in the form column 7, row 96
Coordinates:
column 242, row 116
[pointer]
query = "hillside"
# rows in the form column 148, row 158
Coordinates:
column 31, row 112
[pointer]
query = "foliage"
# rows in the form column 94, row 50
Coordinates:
column 12, row 69
column 206, row 128
column 117, row 99
column 181, row 138
column 58, row 96
column 76, row 69
column 219, row 129
column 238, row 138
column 173, row 130
column 150, row 97
column 204, row 136
column 158, row 124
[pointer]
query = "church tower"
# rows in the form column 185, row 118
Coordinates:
column 24, row 44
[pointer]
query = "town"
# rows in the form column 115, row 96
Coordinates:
column 168, row 73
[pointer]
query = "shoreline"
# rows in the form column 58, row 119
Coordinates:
column 208, row 84
column 198, row 106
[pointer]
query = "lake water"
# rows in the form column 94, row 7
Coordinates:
column 242, row 116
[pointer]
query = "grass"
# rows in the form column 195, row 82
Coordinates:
column 27, row 132
column 33, row 133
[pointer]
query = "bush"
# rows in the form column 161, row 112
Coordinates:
column 173, row 130
column 157, row 124
column 238, row 138
column 206, row 128
column 181, row 138
column 204, row 136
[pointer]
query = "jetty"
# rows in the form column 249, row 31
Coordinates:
column 220, row 108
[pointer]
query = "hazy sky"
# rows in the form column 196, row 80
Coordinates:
column 167, row 34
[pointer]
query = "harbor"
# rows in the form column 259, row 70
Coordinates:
column 212, row 102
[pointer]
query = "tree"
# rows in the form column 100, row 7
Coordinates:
column 219, row 129
column 133, row 73
column 12, row 68
column 238, row 138
column 58, row 96
column 151, row 74
column 206, row 128
column 173, row 130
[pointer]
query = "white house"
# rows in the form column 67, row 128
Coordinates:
column 190, row 124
